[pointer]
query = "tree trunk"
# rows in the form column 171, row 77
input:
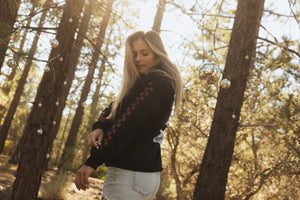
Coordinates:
column 68, row 153
column 64, row 133
column 19, row 91
column 83, row 28
column 14, row 159
column 17, row 57
column 216, row 161
column 8, row 16
column 173, row 140
column 40, row 121
column 95, row 98
column 94, row 112
column 159, row 15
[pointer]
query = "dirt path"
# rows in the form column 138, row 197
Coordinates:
column 7, row 177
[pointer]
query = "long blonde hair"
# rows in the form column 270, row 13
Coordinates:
column 130, row 73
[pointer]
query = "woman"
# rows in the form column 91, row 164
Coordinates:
column 128, row 133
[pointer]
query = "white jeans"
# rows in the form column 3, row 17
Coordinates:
column 122, row 184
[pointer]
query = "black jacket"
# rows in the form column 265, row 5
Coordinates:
column 132, row 140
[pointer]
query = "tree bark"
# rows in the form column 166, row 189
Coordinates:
column 173, row 140
column 94, row 111
column 40, row 121
column 159, row 15
column 68, row 153
column 22, row 43
column 64, row 133
column 83, row 28
column 21, row 83
column 8, row 16
column 216, row 161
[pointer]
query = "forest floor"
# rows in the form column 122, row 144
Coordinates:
column 7, row 177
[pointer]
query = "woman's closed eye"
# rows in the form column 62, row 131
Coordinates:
column 143, row 54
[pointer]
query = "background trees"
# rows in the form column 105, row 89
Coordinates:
column 8, row 15
column 218, row 154
column 38, row 138
column 266, row 154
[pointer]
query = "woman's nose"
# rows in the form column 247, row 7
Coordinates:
column 137, row 57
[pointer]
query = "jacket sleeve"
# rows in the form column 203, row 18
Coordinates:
column 157, row 95
column 102, row 122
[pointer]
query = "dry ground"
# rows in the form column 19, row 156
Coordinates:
column 7, row 176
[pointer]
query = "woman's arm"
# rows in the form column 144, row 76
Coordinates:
column 102, row 122
column 95, row 138
column 155, row 97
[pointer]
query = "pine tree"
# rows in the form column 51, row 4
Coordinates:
column 68, row 153
column 8, row 16
column 96, row 98
column 211, row 183
column 79, row 42
column 17, row 57
column 159, row 15
column 21, row 83
column 41, row 119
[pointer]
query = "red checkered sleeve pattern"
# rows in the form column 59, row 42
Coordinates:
column 143, row 109
column 130, row 109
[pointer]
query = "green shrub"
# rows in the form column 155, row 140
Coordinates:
column 99, row 173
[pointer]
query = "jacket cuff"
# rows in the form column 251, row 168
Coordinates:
column 93, row 162
column 101, row 125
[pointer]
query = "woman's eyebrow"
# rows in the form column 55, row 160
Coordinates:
column 142, row 50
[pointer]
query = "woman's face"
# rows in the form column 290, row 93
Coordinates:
column 143, row 56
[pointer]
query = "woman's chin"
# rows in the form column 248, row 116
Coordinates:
column 141, row 71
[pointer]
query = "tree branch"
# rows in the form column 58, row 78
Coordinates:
column 294, row 14
column 39, row 28
column 267, row 125
column 209, row 94
column 279, row 45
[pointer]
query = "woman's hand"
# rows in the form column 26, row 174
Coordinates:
column 82, row 177
column 95, row 137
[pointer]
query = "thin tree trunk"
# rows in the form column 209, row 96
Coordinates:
column 83, row 28
column 62, row 138
column 68, row 153
column 216, row 161
column 40, row 121
column 159, row 15
column 173, row 140
column 95, row 98
column 8, row 16
column 94, row 112
column 17, row 57
column 21, row 83
column 14, row 159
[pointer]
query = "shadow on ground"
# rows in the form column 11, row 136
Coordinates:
column 7, row 177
